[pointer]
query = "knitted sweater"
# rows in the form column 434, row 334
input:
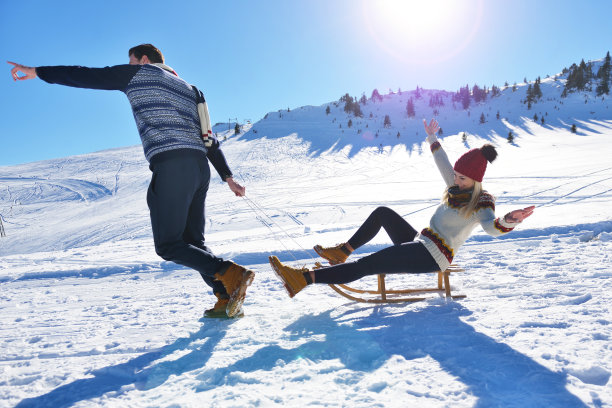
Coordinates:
column 448, row 230
column 164, row 106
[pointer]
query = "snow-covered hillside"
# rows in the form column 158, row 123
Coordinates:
column 506, row 112
column 90, row 316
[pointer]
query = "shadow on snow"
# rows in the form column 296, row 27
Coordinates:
column 144, row 372
column 493, row 372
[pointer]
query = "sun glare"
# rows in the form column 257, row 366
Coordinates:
column 422, row 31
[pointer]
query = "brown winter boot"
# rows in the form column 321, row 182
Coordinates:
column 292, row 278
column 235, row 279
column 335, row 255
column 218, row 310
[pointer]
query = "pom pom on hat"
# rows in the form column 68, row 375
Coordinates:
column 489, row 152
column 474, row 163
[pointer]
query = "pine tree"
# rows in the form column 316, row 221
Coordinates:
column 510, row 137
column 574, row 129
column 535, row 117
column 497, row 115
column 350, row 123
column 410, row 108
column 479, row 94
column 440, row 132
column 348, row 103
column 417, row 93
column 464, row 97
column 237, row 129
column 476, row 93
column 482, row 118
column 495, row 91
column 529, row 98
column 436, row 100
column 537, row 91
column 603, row 87
column 578, row 77
column 604, row 70
column 327, row 110
column 387, row 122
column 376, row 96
column 604, row 77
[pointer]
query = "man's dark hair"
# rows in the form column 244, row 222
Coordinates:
column 149, row 50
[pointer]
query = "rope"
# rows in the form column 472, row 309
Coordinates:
column 259, row 212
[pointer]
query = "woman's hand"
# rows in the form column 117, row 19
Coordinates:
column 519, row 215
column 235, row 187
column 431, row 130
column 29, row 72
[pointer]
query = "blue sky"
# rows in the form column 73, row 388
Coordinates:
column 253, row 57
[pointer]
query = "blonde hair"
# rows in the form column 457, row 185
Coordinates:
column 469, row 209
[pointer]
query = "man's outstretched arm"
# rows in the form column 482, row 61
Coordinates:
column 108, row 78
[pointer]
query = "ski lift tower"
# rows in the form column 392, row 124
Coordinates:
column 229, row 122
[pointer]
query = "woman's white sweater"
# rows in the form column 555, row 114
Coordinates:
column 448, row 229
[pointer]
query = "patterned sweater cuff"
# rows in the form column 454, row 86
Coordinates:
column 435, row 146
column 505, row 226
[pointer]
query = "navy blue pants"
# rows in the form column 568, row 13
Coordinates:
column 405, row 256
column 176, row 198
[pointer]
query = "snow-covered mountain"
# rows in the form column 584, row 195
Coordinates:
column 506, row 112
column 92, row 317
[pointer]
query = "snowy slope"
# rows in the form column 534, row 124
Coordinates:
column 92, row 317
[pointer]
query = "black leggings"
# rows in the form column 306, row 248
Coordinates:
column 405, row 256
column 396, row 227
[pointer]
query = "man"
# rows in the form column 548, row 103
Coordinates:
column 173, row 123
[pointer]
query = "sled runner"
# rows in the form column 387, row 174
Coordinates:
column 384, row 295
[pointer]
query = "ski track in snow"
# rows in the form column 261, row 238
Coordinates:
column 90, row 316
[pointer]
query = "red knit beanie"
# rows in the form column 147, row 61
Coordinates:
column 474, row 163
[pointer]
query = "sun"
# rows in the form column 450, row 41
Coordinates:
column 422, row 31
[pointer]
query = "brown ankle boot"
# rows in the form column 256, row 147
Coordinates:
column 218, row 310
column 235, row 279
column 292, row 278
column 335, row 255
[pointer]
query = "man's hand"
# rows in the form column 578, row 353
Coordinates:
column 235, row 187
column 519, row 215
column 29, row 72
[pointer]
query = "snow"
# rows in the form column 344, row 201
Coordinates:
column 90, row 316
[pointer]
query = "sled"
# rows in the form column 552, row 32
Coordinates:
column 385, row 295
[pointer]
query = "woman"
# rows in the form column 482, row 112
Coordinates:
column 464, row 206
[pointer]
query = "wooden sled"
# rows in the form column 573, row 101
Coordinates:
column 384, row 295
